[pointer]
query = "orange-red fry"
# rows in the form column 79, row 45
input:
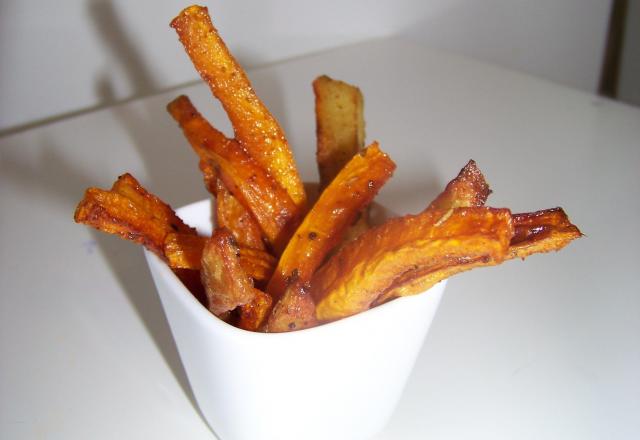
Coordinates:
column 324, row 226
column 294, row 311
column 339, row 111
column 130, row 211
column 258, row 264
column 184, row 251
column 231, row 214
column 534, row 232
column 253, row 315
column 225, row 282
column 269, row 203
column 255, row 128
column 468, row 189
column 364, row 269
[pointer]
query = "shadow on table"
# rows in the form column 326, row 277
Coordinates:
column 50, row 176
column 133, row 275
column 47, row 173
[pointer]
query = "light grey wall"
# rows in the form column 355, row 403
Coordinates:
column 62, row 57
column 562, row 40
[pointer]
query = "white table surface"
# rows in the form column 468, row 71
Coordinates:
column 548, row 348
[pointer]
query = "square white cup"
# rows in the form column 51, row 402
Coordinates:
column 338, row 381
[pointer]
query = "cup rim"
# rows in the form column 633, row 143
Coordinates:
column 205, row 317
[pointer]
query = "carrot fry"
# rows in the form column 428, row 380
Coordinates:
column 294, row 311
column 541, row 231
column 364, row 269
column 255, row 128
column 253, row 315
column 468, row 189
column 184, row 251
column 130, row 211
column 324, row 226
column 534, row 232
column 231, row 214
column 225, row 282
column 339, row 125
column 270, row 205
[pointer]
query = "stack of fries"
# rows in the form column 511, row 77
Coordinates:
column 277, row 263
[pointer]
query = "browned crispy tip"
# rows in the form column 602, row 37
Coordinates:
column 541, row 231
column 339, row 109
column 468, row 189
column 294, row 311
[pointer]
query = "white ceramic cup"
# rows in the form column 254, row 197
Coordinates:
column 337, row 381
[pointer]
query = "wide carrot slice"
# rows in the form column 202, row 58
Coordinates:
column 324, row 226
column 256, row 189
column 255, row 128
column 468, row 189
column 364, row 269
column 534, row 232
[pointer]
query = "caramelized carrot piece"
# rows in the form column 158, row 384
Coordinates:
column 231, row 214
column 184, row 251
column 324, row 226
column 269, row 204
column 360, row 272
column 468, row 189
column 130, row 211
column 253, row 315
column 225, row 282
column 534, row 232
column 255, row 127
column 294, row 311
column 339, row 111
column 541, row 231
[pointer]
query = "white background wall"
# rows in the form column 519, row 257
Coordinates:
column 58, row 58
